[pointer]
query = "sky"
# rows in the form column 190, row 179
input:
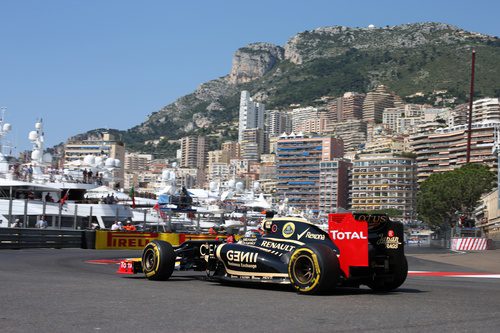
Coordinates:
column 86, row 64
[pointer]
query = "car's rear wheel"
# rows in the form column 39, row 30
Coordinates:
column 158, row 260
column 399, row 274
column 314, row 269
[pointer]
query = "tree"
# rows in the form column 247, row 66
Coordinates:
column 444, row 195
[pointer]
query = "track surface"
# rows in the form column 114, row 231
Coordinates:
column 48, row 290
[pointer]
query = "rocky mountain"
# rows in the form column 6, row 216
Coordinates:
column 328, row 61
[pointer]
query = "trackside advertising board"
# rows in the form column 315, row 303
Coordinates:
column 131, row 240
column 351, row 237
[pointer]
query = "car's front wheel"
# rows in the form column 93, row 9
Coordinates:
column 314, row 269
column 158, row 260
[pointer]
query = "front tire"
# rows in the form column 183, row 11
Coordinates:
column 314, row 269
column 158, row 260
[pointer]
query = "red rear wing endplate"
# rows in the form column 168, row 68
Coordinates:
column 351, row 237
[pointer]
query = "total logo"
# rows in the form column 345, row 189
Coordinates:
column 340, row 235
column 288, row 230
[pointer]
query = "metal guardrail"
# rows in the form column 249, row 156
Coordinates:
column 21, row 238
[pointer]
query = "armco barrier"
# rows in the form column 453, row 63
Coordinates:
column 468, row 244
column 20, row 238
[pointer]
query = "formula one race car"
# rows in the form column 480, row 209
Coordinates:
column 357, row 249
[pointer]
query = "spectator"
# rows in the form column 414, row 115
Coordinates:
column 48, row 197
column 85, row 174
column 42, row 223
column 117, row 226
column 129, row 226
column 89, row 176
column 17, row 224
column 230, row 238
column 30, row 173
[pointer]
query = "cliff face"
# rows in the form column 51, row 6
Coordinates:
column 254, row 61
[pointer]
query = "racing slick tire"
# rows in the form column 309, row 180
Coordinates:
column 314, row 269
column 399, row 274
column 158, row 260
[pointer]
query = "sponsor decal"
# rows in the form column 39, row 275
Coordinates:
column 288, row 230
column 311, row 235
column 277, row 246
column 267, row 225
column 336, row 234
column 274, row 228
column 373, row 220
column 389, row 242
column 248, row 240
column 207, row 250
column 390, row 233
column 299, row 236
column 242, row 259
column 126, row 239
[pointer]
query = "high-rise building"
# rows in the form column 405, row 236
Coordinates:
column 352, row 133
column 375, row 103
column 233, row 149
column 486, row 110
column 334, row 185
column 350, row 106
column 383, row 181
column 251, row 114
column 194, row 152
column 252, row 144
column 278, row 122
column 297, row 160
column 445, row 149
column 137, row 162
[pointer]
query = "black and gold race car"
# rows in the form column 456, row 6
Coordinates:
column 358, row 249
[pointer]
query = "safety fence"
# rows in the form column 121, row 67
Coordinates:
column 19, row 238
column 22, row 238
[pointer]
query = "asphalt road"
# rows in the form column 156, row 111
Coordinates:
column 48, row 290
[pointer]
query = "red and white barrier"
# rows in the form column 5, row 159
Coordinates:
column 468, row 244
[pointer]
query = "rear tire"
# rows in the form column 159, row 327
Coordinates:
column 314, row 269
column 158, row 260
column 399, row 276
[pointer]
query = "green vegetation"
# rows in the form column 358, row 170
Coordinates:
column 444, row 195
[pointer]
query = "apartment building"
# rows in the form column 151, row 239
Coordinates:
column 446, row 148
column 375, row 103
column 278, row 122
column 352, row 133
column 383, row 181
column 350, row 106
column 334, row 185
column 194, row 152
column 251, row 114
column 298, row 168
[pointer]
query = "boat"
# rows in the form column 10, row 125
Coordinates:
column 59, row 195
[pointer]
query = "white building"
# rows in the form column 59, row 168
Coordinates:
column 251, row 114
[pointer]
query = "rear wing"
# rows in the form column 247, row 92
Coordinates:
column 351, row 237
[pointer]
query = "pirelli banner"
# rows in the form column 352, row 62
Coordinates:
column 130, row 240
